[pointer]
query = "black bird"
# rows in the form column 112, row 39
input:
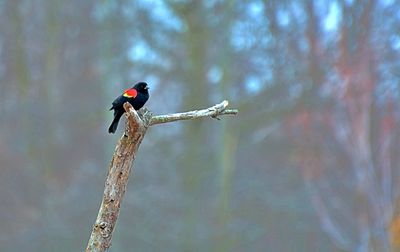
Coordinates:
column 137, row 96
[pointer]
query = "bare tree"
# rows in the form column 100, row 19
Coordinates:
column 121, row 163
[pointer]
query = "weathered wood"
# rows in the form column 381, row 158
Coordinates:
column 214, row 111
column 117, row 180
column 121, row 163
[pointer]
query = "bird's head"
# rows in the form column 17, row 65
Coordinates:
column 141, row 87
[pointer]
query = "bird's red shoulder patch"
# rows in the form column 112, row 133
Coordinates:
column 130, row 93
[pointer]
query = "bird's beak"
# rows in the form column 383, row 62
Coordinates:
column 146, row 87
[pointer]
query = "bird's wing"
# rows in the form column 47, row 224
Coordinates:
column 118, row 102
column 130, row 93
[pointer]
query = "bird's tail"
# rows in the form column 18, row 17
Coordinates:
column 114, row 124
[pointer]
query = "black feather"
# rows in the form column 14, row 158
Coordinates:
column 136, row 102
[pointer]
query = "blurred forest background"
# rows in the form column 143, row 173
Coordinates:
column 311, row 163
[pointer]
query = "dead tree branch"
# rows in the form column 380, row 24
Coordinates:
column 122, row 160
column 214, row 111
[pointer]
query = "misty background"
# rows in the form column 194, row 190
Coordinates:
column 311, row 163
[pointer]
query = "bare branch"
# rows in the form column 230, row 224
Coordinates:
column 121, row 163
column 214, row 111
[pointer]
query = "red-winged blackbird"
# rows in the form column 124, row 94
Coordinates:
column 137, row 96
